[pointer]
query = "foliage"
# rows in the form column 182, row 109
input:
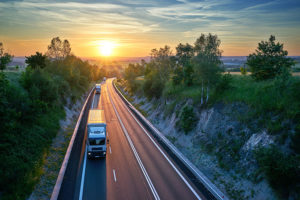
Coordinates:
column 192, row 64
column 131, row 73
column 153, row 85
column 29, row 126
column 178, row 76
column 75, row 72
column 37, row 60
column 40, row 85
column 269, row 60
column 223, row 84
column 207, row 49
column 281, row 170
column 207, row 60
column 161, row 62
column 157, row 72
column 184, row 70
column 243, row 71
column 184, row 53
column 31, row 112
column 187, row 119
column 58, row 50
column 5, row 58
column 296, row 140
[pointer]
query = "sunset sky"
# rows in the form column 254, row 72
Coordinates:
column 135, row 27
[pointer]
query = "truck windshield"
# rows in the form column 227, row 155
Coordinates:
column 97, row 130
column 96, row 141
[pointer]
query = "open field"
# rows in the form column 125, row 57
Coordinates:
column 239, row 73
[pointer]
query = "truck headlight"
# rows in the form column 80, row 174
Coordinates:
column 89, row 153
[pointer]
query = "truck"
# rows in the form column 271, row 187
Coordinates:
column 96, row 134
column 98, row 88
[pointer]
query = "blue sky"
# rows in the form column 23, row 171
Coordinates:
column 138, row 26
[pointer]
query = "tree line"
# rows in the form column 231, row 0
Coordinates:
column 200, row 64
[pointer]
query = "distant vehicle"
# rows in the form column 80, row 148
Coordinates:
column 96, row 130
column 98, row 88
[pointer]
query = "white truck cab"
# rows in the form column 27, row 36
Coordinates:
column 98, row 88
column 96, row 134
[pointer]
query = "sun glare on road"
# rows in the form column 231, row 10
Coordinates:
column 106, row 48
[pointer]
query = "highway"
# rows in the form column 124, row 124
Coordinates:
column 136, row 166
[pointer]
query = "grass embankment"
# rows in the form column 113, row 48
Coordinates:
column 263, row 97
column 31, row 106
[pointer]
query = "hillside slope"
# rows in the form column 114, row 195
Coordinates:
column 229, row 142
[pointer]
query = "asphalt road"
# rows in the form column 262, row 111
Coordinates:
column 136, row 167
column 94, row 171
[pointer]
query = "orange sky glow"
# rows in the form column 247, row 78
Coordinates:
column 137, row 27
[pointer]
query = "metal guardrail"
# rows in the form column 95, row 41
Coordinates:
column 64, row 165
column 195, row 175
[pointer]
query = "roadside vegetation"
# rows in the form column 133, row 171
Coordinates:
column 31, row 106
column 194, row 78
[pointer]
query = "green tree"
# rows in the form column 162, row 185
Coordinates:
column 58, row 49
column 36, row 61
column 187, row 119
column 243, row 70
column 207, row 62
column 184, row 53
column 66, row 48
column 207, row 49
column 184, row 69
column 161, row 61
column 269, row 60
column 131, row 73
column 157, row 71
column 178, row 76
column 5, row 58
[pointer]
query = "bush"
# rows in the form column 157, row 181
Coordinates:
column 295, row 140
column 153, row 85
column 187, row 119
column 281, row 170
column 224, row 83
column 40, row 85
column 269, row 60
column 243, row 70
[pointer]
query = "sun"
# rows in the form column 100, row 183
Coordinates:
column 106, row 48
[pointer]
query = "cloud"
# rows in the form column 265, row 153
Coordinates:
column 150, row 21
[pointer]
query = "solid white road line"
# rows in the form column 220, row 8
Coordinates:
column 154, row 192
column 169, row 161
column 115, row 177
column 109, row 150
column 83, row 175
